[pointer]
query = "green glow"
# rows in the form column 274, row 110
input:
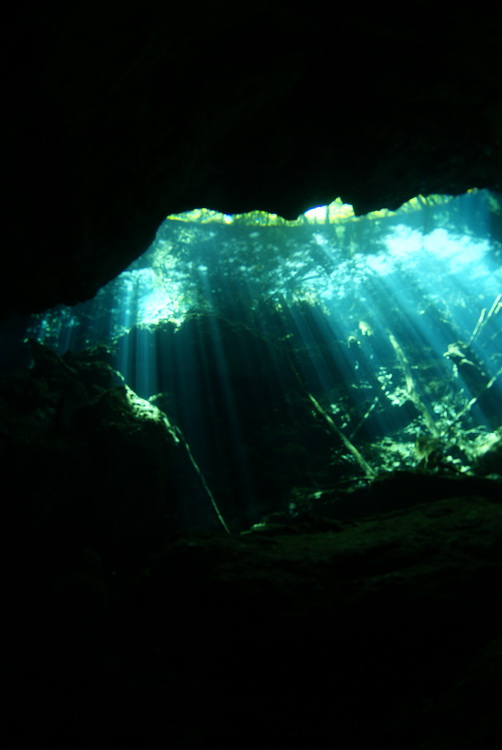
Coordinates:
column 336, row 211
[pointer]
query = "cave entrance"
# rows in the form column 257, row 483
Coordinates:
column 305, row 358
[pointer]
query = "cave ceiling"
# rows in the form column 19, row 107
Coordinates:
column 118, row 114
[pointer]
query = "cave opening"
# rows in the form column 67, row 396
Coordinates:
column 327, row 390
column 301, row 361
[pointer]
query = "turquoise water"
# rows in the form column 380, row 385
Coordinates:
column 311, row 354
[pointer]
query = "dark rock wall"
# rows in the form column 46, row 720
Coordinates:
column 117, row 114
column 87, row 464
column 383, row 631
column 114, row 115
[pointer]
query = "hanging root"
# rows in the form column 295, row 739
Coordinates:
column 368, row 471
column 363, row 418
column 484, row 318
column 471, row 403
column 413, row 394
column 202, row 479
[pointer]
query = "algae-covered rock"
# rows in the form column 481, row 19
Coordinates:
column 87, row 463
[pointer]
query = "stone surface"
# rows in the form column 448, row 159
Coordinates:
column 384, row 630
column 115, row 116
column 87, row 463
column 362, row 632
column 120, row 629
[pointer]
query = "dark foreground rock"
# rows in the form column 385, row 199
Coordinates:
column 380, row 632
column 369, row 618
column 86, row 463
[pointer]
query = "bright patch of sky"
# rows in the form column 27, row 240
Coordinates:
column 319, row 212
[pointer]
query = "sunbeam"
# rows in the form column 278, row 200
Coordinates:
column 313, row 353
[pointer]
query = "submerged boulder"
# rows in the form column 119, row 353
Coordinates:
column 89, row 463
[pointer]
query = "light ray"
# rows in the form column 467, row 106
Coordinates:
column 390, row 324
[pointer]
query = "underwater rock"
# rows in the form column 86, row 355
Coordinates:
column 89, row 464
column 195, row 118
column 488, row 461
column 377, row 631
column 382, row 631
column 239, row 404
column 394, row 491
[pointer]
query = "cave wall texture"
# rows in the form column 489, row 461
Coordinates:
column 365, row 633
column 119, row 113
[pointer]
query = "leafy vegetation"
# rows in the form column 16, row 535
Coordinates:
column 317, row 353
